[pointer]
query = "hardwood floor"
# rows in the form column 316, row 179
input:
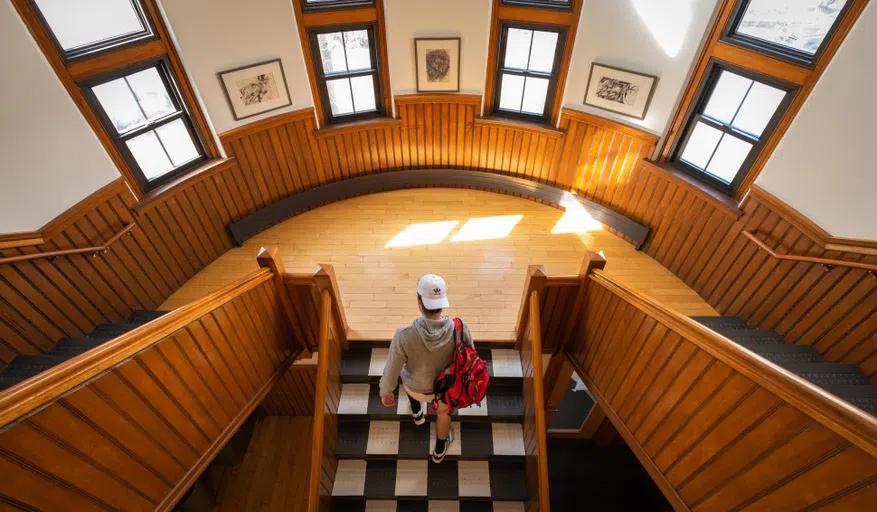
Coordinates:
column 274, row 474
column 478, row 244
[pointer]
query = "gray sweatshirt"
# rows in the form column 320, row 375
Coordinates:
column 420, row 352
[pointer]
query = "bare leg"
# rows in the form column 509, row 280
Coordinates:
column 443, row 421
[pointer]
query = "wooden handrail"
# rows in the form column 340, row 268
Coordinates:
column 829, row 263
column 539, row 401
column 316, row 469
column 25, row 397
column 70, row 252
column 853, row 424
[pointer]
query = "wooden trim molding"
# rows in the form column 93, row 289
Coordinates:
column 420, row 99
column 185, row 181
column 377, row 123
column 523, row 126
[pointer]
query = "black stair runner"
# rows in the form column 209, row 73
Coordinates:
column 385, row 458
column 845, row 381
column 26, row 366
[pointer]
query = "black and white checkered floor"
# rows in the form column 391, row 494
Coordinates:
column 385, row 458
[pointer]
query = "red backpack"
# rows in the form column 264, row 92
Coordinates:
column 464, row 382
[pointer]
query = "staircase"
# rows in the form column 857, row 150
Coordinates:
column 845, row 381
column 24, row 367
column 384, row 458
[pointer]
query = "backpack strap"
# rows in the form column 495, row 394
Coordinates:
column 458, row 332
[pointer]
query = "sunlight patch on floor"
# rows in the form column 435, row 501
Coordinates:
column 424, row 233
column 487, row 228
column 576, row 219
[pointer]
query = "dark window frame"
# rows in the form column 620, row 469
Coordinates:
column 335, row 5
column 552, row 77
column 183, row 112
column 774, row 50
column 695, row 114
column 101, row 47
column 322, row 78
column 541, row 4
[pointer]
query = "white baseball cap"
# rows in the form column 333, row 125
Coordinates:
column 433, row 292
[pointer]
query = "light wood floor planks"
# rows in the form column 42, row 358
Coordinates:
column 485, row 276
column 274, row 474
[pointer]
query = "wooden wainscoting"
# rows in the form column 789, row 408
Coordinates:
column 716, row 427
column 535, row 423
column 131, row 425
column 293, row 395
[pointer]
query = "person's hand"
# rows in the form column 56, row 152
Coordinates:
column 388, row 401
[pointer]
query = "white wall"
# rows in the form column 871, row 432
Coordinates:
column 652, row 37
column 824, row 165
column 50, row 159
column 216, row 35
column 467, row 19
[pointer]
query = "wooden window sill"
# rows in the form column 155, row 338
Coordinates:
column 376, row 123
column 507, row 122
column 155, row 197
column 724, row 203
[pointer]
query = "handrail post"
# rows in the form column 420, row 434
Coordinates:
column 535, row 280
column 325, row 279
column 270, row 259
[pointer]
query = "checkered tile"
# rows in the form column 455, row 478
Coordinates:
column 404, row 439
column 409, row 505
column 366, row 364
column 503, row 403
column 452, row 479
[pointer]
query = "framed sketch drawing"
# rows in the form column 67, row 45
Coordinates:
column 623, row 92
column 437, row 64
column 256, row 88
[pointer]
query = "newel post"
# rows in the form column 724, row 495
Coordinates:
column 325, row 279
column 535, row 280
column 270, row 258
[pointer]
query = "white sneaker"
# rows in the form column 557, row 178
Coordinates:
column 420, row 417
column 439, row 457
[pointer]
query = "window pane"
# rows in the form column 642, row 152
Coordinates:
column 177, row 142
column 727, row 95
column 542, row 53
column 535, row 91
column 512, row 92
column 798, row 24
column 339, row 96
column 119, row 104
column 150, row 155
column 758, row 109
column 358, row 54
column 77, row 23
column 517, row 48
column 332, row 52
column 363, row 93
column 728, row 158
column 701, row 144
column 151, row 93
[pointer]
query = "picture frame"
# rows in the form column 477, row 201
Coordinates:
column 255, row 89
column 621, row 91
column 437, row 64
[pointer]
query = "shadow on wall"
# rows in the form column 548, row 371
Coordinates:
column 668, row 21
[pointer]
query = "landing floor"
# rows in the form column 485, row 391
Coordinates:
column 480, row 242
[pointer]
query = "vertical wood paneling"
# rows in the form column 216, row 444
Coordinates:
column 133, row 438
column 294, row 393
column 713, row 438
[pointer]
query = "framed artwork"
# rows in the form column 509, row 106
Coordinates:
column 437, row 64
column 623, row 92
column 256, row 88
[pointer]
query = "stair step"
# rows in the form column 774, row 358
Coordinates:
column 26, row 366
column 783, row 353
column 479, row 480
column 403, row 439
column 366, row 364
column 829, row 374
column 145, row 315
column 421, row 505
column 112, row 330
column 721, row 322
column 863, row 397
column 8, row 382
column 503, row 403
column 76, row 346
column 751, row 335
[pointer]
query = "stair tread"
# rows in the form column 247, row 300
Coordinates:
column 426, row 505
column 751, row 335
column 112, row 330
column 863, row 397
column 8, row 382
column 783, row 353
column 366, row 364
column 145, row 315
column 403, row 439
column 25, row 366
column 77, row 346
column 825, row 374
column 503, row 403
column 423, row 479
column 721, row 322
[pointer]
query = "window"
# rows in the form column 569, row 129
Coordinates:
column 335, row 4
column 728, row 126
column 526, row 77
column 554, row 4
column 83, row 27
column 148, row 121
column 793, row 30
column 347, row 73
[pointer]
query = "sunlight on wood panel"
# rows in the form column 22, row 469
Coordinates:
column 486, row 228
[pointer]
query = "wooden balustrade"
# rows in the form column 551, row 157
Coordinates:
column 50, row 255
column 717, row 427
column 828, row 263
